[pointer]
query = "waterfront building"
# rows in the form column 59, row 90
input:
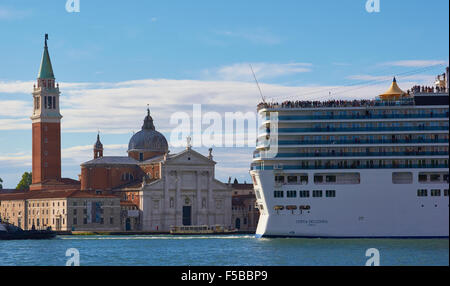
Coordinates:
column 149, row 189
column 245, row 213
column 66, row 210
column 166, row 189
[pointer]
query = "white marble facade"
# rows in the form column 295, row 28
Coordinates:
column 186, row 194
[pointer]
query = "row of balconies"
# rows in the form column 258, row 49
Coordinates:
column 356, row 129
column 266, row 143
column 358, row 116
column 355, row 154
column 350, row 166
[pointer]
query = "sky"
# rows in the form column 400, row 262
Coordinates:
column 112, row 58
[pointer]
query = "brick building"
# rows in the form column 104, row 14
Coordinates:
column 245, row 215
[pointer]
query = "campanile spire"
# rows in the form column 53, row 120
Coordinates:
column 46, row 124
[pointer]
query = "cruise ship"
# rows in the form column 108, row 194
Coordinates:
column 355, row 169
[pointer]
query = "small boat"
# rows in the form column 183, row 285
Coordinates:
column 201, row 230
column 12, row 232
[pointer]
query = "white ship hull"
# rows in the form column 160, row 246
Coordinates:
column 373, row 208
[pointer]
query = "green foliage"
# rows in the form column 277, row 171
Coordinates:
column 25, row 183
column 1, row 181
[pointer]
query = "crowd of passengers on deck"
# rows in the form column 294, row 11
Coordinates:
column 426, row 89
column 328, row 103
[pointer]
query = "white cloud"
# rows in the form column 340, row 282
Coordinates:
column 71, row 156
column 12, row 14
column 419, row 78
column 120, row 107
column 243, row 72
column 416, row 63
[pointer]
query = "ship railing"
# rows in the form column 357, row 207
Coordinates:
column 334, row 142
column 375, row 166
column 356, row 117
column 354, row 154
column 363, row 129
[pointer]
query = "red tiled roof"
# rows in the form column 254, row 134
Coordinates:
column 59, row 194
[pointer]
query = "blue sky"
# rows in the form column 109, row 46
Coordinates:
column 114, row 57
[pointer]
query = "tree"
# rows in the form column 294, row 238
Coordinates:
column 1, row 181
column 25, row 183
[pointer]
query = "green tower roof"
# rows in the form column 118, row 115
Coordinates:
column 46, row 70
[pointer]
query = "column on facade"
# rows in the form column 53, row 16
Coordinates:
column 166, row 211
column 211, row 206
column 179, row 205
column 199, row 198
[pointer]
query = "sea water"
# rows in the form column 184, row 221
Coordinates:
column 232, row 250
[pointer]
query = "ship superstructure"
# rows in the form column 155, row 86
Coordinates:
column 360, row 168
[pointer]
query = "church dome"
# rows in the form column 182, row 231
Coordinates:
column 148, row 139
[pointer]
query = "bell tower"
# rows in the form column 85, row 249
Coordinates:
column 46, row 124
column 98, row 148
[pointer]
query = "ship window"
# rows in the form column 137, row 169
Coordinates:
column 402, row 178
column 304, row 180
column 331, row 179
column 435, row 193
column 292, row 179
column 446, row 193
column 435, row 177
column 279, row 179
column 303, row 194
column 291, row 194
column 422, row 193
column 278, row 194
column 422, row 178
column 330, row 193
column 317, row 194
column 318, row 179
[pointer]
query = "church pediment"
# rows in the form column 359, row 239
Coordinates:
column 155, row 185
column 189, row 157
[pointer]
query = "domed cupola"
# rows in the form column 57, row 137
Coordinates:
column 148, row 142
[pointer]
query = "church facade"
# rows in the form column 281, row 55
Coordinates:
column 187, row 193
